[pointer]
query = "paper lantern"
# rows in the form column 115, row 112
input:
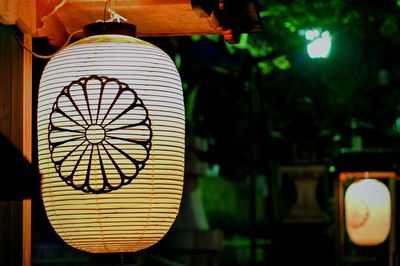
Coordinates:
column 367, row 212
column 111, row 141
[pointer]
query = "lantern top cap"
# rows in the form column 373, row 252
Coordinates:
column 103, row 28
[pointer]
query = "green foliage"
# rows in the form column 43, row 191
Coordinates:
column 266, row 85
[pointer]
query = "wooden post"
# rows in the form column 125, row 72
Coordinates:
column 393, row 229
column 27, row 147
column 16, row 125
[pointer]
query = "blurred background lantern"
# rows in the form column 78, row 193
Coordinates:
column 367, row 212
column 366, row 198
column 111, row 132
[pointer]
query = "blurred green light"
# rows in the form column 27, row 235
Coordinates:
column 265, row 67
column 397, row 124
column 320, row 45
column 281, row 62
column 332, row 169
column 337, row 137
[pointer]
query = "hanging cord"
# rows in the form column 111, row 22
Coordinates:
column 51, row 55
column 114, row 16
column 105, row 9
column 57, row 7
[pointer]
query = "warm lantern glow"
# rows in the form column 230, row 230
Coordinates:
column 367, row 212
column 111, row 143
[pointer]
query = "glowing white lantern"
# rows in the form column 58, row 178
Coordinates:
column 111, row 143
column 367, row 212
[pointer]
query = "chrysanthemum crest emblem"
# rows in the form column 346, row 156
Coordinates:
column 99, row 134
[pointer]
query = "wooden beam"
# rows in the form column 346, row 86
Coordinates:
column 19, row 12
column 151, row 17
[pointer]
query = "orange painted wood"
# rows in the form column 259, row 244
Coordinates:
column 26, row 232
column 27, row 148
column 152, row 18
column 20, row 12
